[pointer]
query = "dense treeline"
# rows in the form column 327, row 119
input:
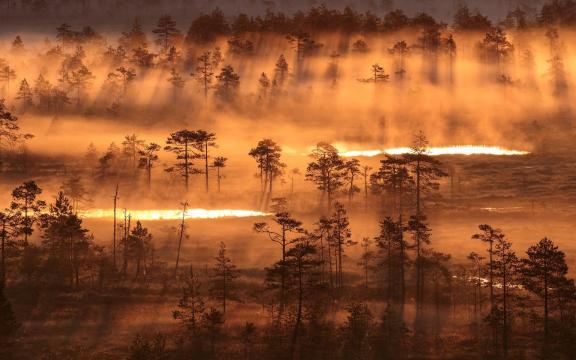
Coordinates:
column 96, row 76
column 85, row 74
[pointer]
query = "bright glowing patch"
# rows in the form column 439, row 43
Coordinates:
column 436, row 151
column 172, row 214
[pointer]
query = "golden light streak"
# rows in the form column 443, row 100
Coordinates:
column 436, row 151
column 172, row 214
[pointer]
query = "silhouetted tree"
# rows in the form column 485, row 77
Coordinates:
column 132, row 147
column 228, row 83
column 505, row 268
column 352, row 170
column 366, row 258
column 394, row 21
column 267, row 155
column 263, row 87
column 205, row 72
column 496, row 48
column 166, row 31
column 477, row 263
column 8, row 230
column 135, row 38
column 177, row 82
column 182, row 143
column 426, row 170
column 42, row 92
column 25, row 95
column 400, row 50
column 340, row 237
column 544, row 273
column 464, row 20
column 303, row 44
column 289, row 233
column 10, row 134
column 65, row 239
column 281, row 72
column 191, row 306
column 449, row 46
column 143, row 58
column 224, row 274
column 148, row 156
column 139, row 244
column 219, row 163
column 202, row 141
column 7, row 74
column 360, row 46
column 303, row 270
column 326, row 170
column 17, row 46
column 489, row 235
column 74, row 189
column 421, row 236
column 205, row 28
column 181, row 236
column 28, row 207
column 378, row 75
column 392, row 249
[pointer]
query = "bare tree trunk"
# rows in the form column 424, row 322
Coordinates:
column 114, row 233
column 218, row 174
column 206, row 164
column 3, row 279
column 125, row 252
column 299, row 312
column 186, row 170
column 184, row 205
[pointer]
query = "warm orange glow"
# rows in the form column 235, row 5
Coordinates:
column 436, row 151
column 173, row 214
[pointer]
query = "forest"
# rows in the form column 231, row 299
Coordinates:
column 287, row 181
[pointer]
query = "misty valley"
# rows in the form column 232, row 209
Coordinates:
column 287, row 180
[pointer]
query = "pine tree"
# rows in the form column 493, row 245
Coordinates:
column 505, row 268
column 228, row 83
column 340, row 237
column 489, row 235
column 25, row 95
column 18, row 46
column 205, row 72
column 289, row 233
column 351, row 171
column 167, row 33
column 24, row 201
column 139, row 244
column 181, row 143
column 544, row 273
column 224, row 274
column 135, row 38
column 281, row 72
column 263, row 87
column 219, row 163
column 191, row 305
column 202, row 142
column 148, row 156
column 326, row 170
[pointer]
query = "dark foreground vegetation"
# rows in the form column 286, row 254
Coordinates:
column 404, row 299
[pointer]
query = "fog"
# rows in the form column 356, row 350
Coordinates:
column 492, row 119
